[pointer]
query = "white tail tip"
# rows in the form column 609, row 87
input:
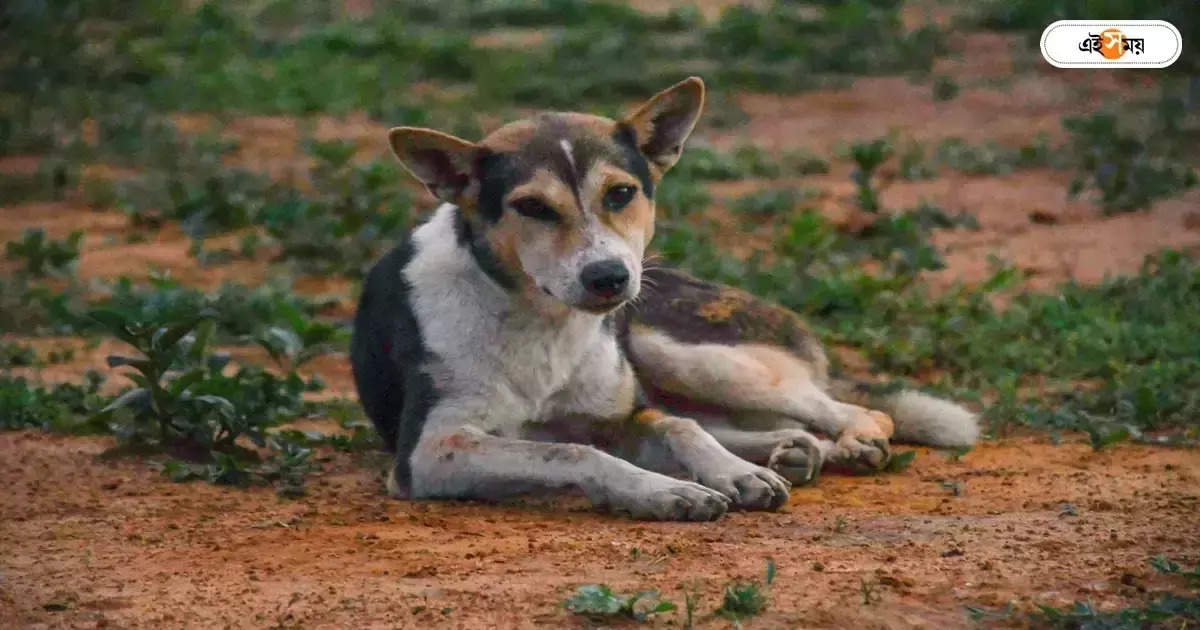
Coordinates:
column 923, row 419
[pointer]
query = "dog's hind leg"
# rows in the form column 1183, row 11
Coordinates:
column 467, row 463
column 754, row 381
column 794, row 453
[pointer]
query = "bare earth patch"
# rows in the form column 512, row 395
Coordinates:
column 86, row 541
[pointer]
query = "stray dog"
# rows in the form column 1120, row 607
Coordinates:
column 516, row 341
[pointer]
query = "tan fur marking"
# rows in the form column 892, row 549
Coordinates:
column 633, row 222
column 717, row 311
column 510, row 137
column 780, row 364
column 648, row 416
column 595, row 125
column 555, row 193
column 551, row 190
column 502, row 240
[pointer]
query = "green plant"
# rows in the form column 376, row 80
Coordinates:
column 914, row 165
column 677, row 197
column 900, row 462
column 360, row 436
column 746, row 598
column 170, row 404
column 1168, row 611
column 778, row 203
column 800, row 162
column 1166, row 566
column 182, row 395
column 289, row 468
column 868, row 156
column 13, row 354
column 354, row 212
column 240, row 312
column 225, row 469
column 301, row 341
column 53, row 180
column 987, row 158
column 43, row 255
column 599, row 602
column 1121, row 165
column 703, row 163
column 956, row 454
column 1101, row 435
column 65, row 407
column 980, row 614
column 944, row 88
column 27, row 307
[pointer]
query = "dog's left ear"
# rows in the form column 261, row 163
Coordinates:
column 662, row 124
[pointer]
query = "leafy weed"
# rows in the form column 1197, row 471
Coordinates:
column 598, row 601
column 42, row 255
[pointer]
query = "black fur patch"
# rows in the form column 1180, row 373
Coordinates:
column 635, row 162
column 480, row 252
column 387, row 353
column 690, row 310
column 497, row 174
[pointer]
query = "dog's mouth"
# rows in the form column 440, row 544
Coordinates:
column 591, row 304
column 600, row 307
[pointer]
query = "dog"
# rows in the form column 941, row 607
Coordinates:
column 516, row 341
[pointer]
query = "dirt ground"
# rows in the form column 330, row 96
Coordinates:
column 92, row 541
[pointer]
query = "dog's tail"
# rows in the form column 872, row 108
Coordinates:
column 920, row 418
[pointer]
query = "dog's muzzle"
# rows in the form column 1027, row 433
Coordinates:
column 606, row 283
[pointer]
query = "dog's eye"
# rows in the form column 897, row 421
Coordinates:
column 534, row 209
column 618, row 197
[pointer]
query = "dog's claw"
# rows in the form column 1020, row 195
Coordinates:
column 754, row 488
column 680, row 501
column 863, row 455
column 797, row 460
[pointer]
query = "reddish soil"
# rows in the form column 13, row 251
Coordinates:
column 91, row 541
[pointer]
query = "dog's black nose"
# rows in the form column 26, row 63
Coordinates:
column 605, row 278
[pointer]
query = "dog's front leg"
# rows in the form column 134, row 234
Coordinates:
column 682, row 442
column 467, row 463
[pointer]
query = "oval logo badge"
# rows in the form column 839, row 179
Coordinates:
column 1111, row 44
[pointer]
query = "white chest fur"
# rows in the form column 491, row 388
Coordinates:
column 495, row 364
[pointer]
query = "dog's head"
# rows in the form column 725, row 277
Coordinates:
column 559, row 206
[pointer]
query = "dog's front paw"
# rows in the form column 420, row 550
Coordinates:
column 797, row 459
column 667, row 499
column 750, row 487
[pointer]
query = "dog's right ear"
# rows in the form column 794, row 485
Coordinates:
column 442, row 162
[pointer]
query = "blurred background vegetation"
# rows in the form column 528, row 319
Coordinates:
column 240, row 148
